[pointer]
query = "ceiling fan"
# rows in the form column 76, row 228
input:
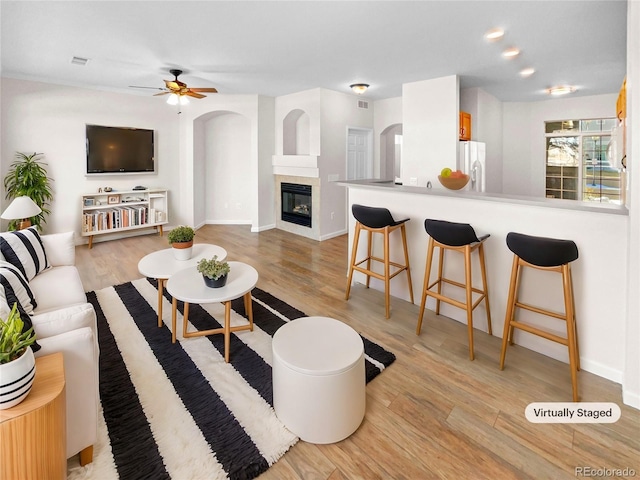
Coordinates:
column 178, row 89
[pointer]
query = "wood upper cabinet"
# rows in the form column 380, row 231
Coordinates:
column 465, row 126
column 621, row 104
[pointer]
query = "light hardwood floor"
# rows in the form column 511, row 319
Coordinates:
column 433, row 413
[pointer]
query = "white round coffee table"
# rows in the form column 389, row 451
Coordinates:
column 187, row 285
column 162, row 264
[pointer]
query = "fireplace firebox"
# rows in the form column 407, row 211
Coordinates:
column 296, row 203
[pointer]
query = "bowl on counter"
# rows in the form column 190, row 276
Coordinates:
column 453, row 183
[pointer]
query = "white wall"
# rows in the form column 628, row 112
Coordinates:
column 247, row 174
column 486, row 126
column 430, row 117
column 266, row 147
column 386, row 113
column 227, row 149
column 339, row 111
column 524, row 141
column 39, row 117
column 309, row 102
column 631, row 382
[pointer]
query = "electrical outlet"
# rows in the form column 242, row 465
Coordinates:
column 333, row 214
column 413, row 181
column 334, row 177
column 238, row 206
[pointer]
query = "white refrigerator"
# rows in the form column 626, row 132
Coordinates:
column 472, row 162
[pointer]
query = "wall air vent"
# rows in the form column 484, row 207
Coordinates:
column 79, row 61
column 363, row 104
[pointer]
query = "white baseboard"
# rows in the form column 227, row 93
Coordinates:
column 631, row 399
column 333, row 235
column 263, row 228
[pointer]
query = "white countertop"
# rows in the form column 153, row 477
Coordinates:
column 439, row 190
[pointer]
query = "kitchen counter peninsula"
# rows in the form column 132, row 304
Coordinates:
column 599, row 274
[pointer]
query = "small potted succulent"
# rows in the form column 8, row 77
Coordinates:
column 17, row 363
column 214, row 272
column 181, row 239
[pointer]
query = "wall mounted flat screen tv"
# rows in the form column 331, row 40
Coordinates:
column 119, row 150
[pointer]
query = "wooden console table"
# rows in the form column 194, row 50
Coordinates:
column 33, row 434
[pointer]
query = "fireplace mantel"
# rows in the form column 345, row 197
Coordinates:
column 296, row 165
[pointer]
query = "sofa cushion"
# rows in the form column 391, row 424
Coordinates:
column 64, row 320
column 24, row 249
column 57, row 287
column 60, row 248
column 15, row 289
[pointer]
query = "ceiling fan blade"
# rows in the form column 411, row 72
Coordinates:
column 162, row 93
column 207, row 90
column 154, row 88
column 191, row 93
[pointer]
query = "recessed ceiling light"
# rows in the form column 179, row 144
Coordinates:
column 561, row 90
column 494, row 34
column 511, row 52
column 527, row 72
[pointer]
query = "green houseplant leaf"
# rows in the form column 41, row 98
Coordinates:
column 27, row 175
column 13, row 341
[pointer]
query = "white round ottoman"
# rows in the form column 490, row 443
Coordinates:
column 319, row 379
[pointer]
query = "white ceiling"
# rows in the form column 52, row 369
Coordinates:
column 275, row 47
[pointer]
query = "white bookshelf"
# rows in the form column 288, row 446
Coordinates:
column 124, row 210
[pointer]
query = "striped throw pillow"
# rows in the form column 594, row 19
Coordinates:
column 24, row 250
column 14, row 288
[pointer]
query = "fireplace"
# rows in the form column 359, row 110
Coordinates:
column 296, row 203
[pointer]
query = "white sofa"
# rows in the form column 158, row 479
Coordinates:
column 65, row 322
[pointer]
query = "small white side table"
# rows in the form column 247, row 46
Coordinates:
column 188, row 285
column 162, row 264
column 319, row 378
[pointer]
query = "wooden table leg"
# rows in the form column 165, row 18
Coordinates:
column 174, row 313
column 248, row 308
column 160, row 289
column 227, row 330
column 185, row 319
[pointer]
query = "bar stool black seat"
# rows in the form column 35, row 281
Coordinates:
column 458, row 237
column 549, row 254
column 378, row 220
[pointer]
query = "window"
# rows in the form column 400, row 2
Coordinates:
column 577, row 163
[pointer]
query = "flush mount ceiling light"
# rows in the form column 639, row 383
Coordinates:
column 494, row 34
column 359, row 88
column 527, row 72
column 561, row 90
column 511, row 52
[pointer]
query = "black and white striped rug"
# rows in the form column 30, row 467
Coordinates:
column 178, row 411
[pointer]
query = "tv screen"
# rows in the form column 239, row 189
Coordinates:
column 119, row 150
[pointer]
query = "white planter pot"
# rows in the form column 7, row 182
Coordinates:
column 16, row 379
column 182, row 253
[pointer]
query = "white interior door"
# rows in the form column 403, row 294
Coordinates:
column 359, row 158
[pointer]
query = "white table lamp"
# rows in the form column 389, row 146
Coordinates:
column 21, row 208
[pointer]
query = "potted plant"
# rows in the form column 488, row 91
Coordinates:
column 27, row 176
column 214, row 272
column 17, row 363
column 181, row 239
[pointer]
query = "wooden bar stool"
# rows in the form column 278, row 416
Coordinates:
column 378, row 220
column 551, row 255
column 458, row 237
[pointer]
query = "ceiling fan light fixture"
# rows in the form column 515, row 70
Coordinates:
column 173, row 99
column 359, row 88
column 184, row 100
column 561, row 90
